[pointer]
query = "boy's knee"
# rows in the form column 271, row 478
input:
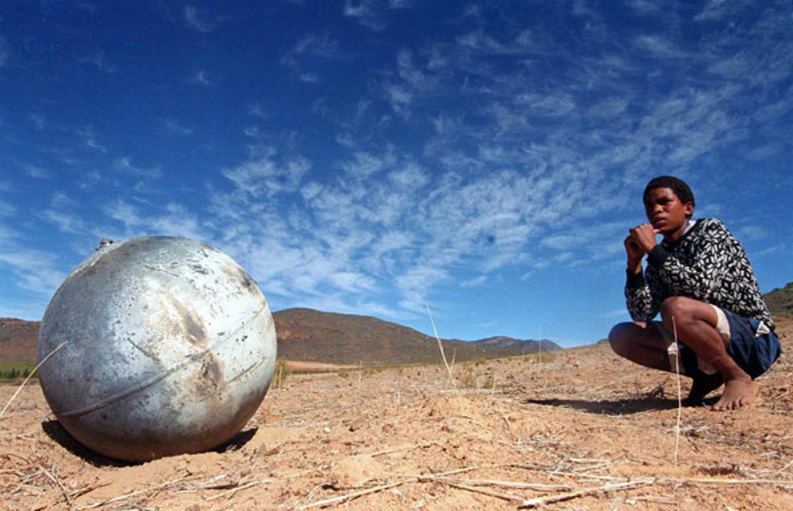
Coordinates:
column 676, row 306
column 680, row 309
column 618, row 337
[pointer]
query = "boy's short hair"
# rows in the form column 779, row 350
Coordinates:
column 677, row 185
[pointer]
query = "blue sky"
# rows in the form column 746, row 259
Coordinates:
column 375, row 157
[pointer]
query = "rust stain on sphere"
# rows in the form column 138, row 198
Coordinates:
column 170, row 349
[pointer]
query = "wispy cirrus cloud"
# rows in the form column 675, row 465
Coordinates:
column 201, row 77
column 36, row 271
column 174, row 127
column 125, row 165
column 97, row 59
column 198, row 20
column 125, row 220
column 37, row 172
column 91, row 140
column 310, row 56
column 368, row 13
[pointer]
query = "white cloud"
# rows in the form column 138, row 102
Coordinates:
column 198, row 21
column 35, row 271
column 174, row 127
column 90, row 139
column 400, row 99
column 37, row 172
column 308, row 57
column 97, row 59
column 609, row 107
column 171, row 220
column 549, row 104
column 645, row 7
column 324, row 45
column 411, row 176
column 411, row 74
column 258, row 110
column 67, row 222
column 124, row 164
column 7, row 210
column 123, row 212
column 367, row 12
column 718, row 9
column 266, row 177
column 474, row 282
column 659, row 47
column 753, row 232
column 201, row 77
column 365, row 165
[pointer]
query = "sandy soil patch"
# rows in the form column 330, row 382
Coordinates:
column 581, row 430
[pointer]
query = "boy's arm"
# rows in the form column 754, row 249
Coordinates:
column 638, row 298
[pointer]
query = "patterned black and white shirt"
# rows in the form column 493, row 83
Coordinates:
column 706, row 264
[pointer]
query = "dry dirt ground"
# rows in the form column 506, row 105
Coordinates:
column 579, row 430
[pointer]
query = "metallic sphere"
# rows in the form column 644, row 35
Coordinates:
column 162, row 346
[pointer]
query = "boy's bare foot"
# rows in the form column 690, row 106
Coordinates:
column 738, row 393
column 701, row 387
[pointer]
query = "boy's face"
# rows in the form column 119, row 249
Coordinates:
column 666, row 213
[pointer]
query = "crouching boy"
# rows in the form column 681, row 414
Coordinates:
column 701, row 282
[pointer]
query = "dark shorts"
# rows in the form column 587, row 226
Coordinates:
column 755, row 354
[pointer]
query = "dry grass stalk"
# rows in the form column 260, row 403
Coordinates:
column 474, row 486
column 136, row 493
column 354, row 495
column 402, row 449
column 679, row 392
column 781, row 470
column 231, row 491
column 726, row 482
column 58, row 483
column 376, row 489
column 440, row 346
column 33, row 372
column 516, row 485
column 550, row 499
column 280, row 378
column 502, row 496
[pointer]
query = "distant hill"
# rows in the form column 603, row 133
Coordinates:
column 314, row 336
column 310, row 335
column 18, row 339
column 524, row 346
column 780, row 300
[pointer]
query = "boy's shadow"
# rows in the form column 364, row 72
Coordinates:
column 619, row 406
column 56, row 432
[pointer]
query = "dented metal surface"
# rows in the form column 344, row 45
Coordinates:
column 170, row 349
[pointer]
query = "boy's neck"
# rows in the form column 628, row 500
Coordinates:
column 675, row 236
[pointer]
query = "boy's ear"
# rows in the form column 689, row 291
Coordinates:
column 689, row 209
